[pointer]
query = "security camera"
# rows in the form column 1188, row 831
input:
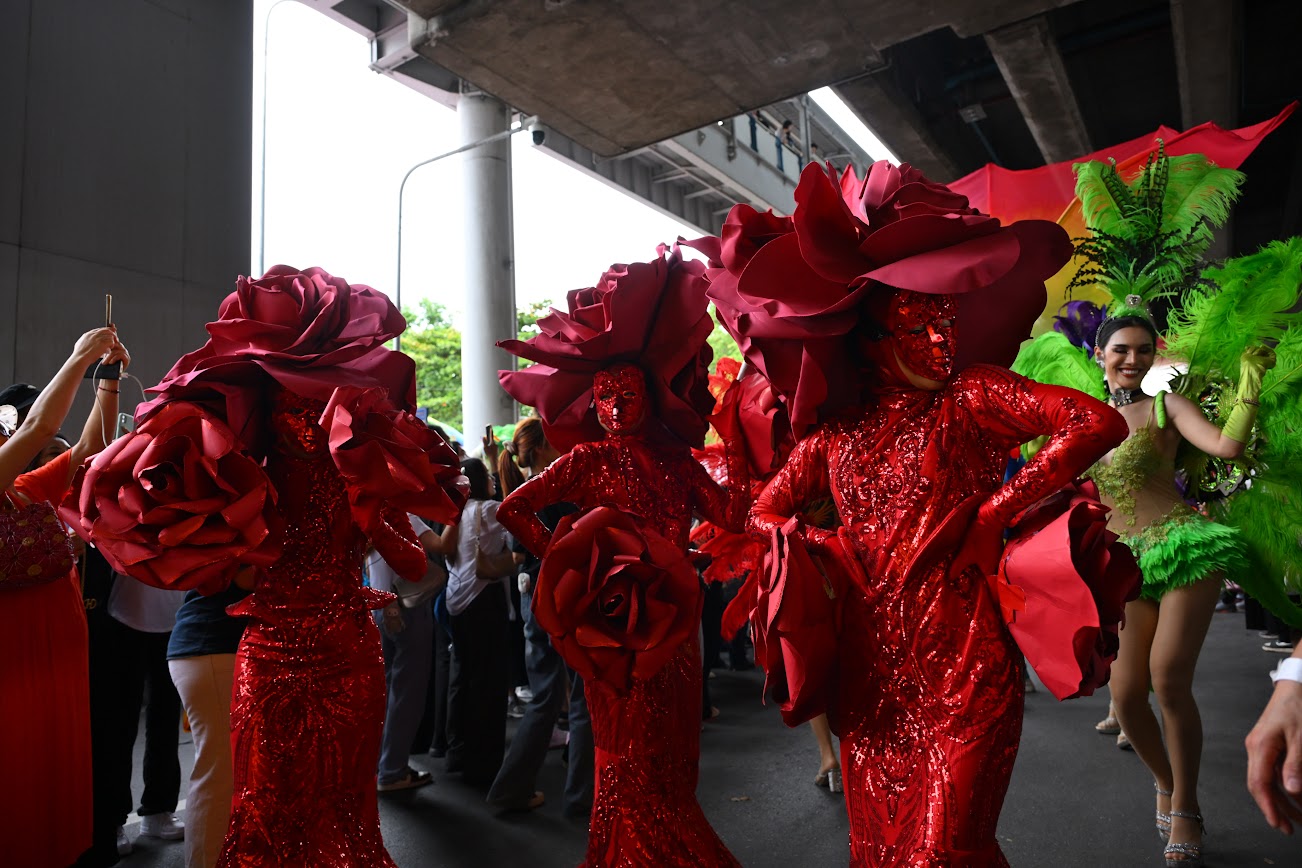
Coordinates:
column 537, row 133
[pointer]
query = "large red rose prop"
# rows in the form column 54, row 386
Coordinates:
column 652, row 314
column 389, row 458
column 1069, row 579
column 176, row 504
column 617, row 599
column 795, row 624
column 791, row 291
column 304, row 330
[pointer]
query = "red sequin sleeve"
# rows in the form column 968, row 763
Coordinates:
column 1014, row 409
column 801, row 480
column 725, row 507
column 519, row 511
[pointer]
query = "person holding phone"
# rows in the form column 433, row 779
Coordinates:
column 45, row 751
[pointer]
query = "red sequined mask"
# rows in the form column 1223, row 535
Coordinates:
column 922, row 331
column 620, row 395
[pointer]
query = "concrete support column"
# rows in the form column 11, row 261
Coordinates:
column 1207, row 39
column 1028, row 57
column 490, row 265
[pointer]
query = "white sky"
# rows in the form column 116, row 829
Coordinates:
column 339, row 140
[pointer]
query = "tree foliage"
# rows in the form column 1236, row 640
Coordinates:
column 434, row 343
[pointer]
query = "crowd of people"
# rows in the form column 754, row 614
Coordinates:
column 325, row 585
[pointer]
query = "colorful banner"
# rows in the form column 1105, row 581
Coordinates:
column 1048, row 192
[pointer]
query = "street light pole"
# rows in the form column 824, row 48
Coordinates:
column 402, row 188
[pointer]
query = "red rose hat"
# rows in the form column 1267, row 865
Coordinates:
column 791, row 290
column 651, row 314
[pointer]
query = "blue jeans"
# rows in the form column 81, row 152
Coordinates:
column 515, row 781
column 407, row 660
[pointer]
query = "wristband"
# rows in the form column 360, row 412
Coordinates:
column 1288, row 670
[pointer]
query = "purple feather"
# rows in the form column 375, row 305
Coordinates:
column 1079, row 321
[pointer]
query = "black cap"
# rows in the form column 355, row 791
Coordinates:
column 20, row 395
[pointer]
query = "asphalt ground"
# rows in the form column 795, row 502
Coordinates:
column 1075, row 799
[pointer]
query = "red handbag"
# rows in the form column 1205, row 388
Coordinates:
column 34, row 545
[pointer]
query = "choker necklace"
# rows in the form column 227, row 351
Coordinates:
column 1122, row 397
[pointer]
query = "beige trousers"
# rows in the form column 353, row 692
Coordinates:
column 205, row 685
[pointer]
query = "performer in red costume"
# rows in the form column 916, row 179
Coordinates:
column 285, row 442
column 928, row 697
column 616, row 592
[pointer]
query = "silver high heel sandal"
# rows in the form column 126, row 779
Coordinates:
column 1190, row 855
column 1163, row 820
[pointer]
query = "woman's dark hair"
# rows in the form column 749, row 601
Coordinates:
column 481, row 485
column 1115, row 324
column 520, row 451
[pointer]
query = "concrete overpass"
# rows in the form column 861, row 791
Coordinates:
column 125, row 126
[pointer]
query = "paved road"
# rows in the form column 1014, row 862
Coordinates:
column 1075, row 800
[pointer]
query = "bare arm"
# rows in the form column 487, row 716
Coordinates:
column 1188, row 419
column 52, row 405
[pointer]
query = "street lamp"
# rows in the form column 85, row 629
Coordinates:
column 402, row 188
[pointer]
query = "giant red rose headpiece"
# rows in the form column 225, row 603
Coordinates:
column 304, row 330
column 176, row 504
column 791, row 291
column 617, row 599
column 651, row 314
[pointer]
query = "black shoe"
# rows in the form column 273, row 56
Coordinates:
column 1278, row 646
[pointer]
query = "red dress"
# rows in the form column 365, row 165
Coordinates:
column 645, row 813
column 929, row 703
column 308, row 708
column 45, row 795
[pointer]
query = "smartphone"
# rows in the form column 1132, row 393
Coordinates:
column 489, row 436
column 105, row 372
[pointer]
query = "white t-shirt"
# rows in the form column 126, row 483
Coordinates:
column 143, row 607
column 378, row 570
column 478, row 529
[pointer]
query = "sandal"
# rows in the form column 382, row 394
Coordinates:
column 1187, row 855
column 1163, row 821
column 830, row 778
column 1108, row 725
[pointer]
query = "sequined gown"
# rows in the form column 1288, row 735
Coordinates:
column 647, row 743
column 929, row 703
column 308, row 708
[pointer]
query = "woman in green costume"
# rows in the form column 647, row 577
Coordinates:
column 1184, row 558
column 1147, row 238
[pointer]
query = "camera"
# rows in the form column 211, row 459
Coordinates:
column 537, row 133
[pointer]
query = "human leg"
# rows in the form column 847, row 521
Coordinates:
column 829, row 769
column 162, row 767
column 1129, row 685
column 204, row 684
column 513, row 787
column 408, row 659
column 1186, row 613
column 579, row 780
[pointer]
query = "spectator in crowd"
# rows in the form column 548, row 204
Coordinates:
column 407, row 637
column 477, row 606
column 432, row 734
column 513, row 789
column 45, row 797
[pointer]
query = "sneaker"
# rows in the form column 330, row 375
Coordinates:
column 1278, row 646
column 165, row 826
column 524, row 694
column 124, row 843
column 410, row 781
column 1226, row 607
column 515, row 709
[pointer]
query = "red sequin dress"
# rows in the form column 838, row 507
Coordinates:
column 308, row 708
column 645, row 813
column 929, row 703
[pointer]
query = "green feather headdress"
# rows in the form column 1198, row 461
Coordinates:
column 1148, row 235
